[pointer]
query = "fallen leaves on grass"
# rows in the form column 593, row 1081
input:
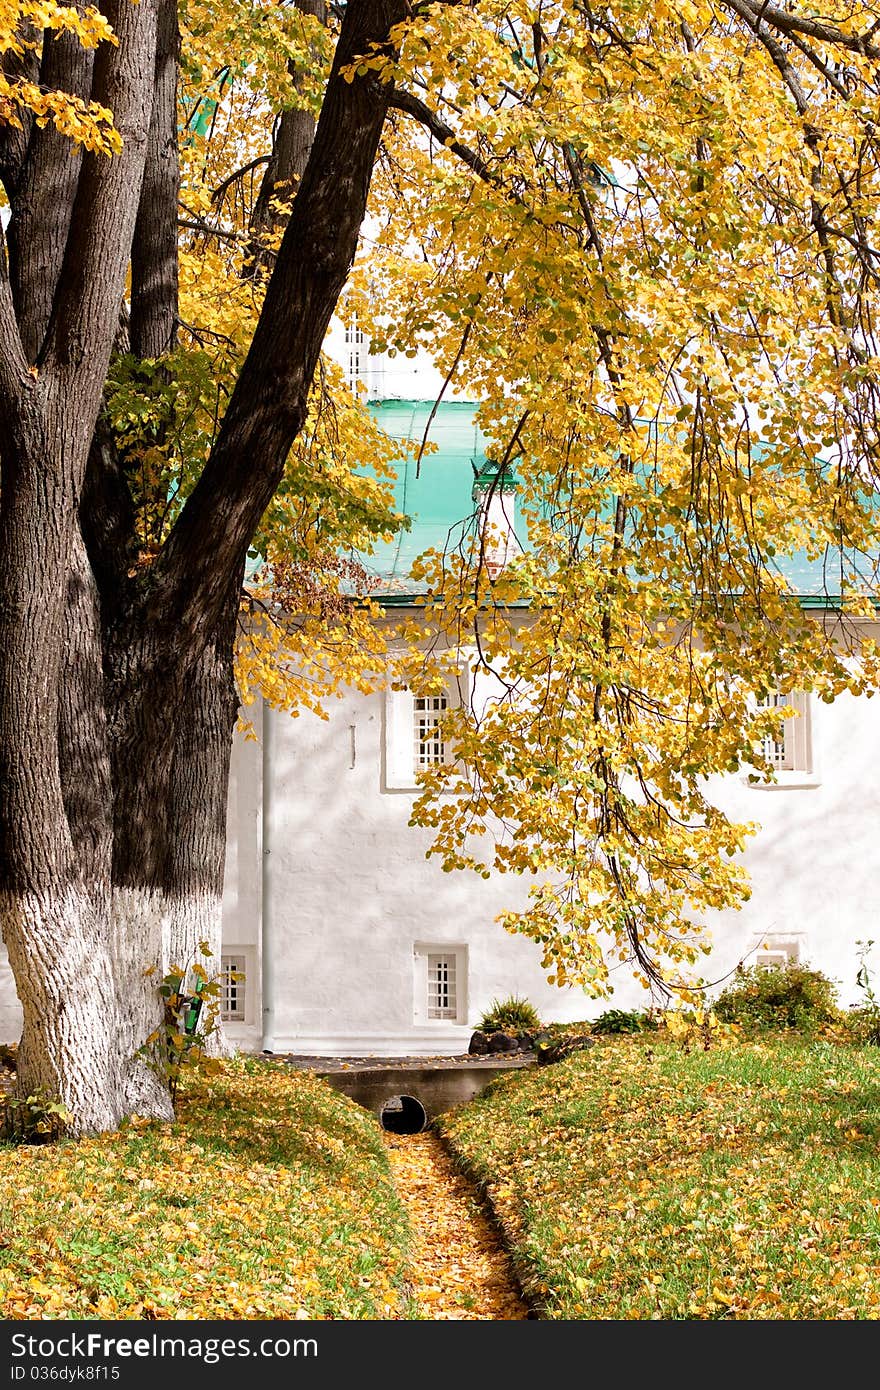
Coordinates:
column 268, row 1198
column 459, row 1268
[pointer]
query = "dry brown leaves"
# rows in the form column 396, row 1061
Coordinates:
column 459, row 1268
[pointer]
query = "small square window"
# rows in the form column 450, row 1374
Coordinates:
column 440, row 983
column 429, row 747
column 232, row 989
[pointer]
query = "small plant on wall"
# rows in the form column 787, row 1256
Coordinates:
column 191, row 1009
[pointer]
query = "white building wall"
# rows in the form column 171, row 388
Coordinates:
column 353, row 892
column 815, row 864
column 243, row 879
column 352, row 895
column 10, row 1008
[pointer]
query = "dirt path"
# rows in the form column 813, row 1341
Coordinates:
column 459, row 1267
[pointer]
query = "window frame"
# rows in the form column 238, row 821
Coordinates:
column 423, row 953
column 799, row 766
column 227, row 969
column 399, row 769
column 782, row 945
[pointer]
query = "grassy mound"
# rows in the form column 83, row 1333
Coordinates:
column 640, row 1181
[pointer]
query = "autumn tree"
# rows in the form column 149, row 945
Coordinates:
column 640, row 234
column 647, row 243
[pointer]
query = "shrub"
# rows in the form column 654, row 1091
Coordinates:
column 769, row 997
column 623, row 1021
column 512, row 1015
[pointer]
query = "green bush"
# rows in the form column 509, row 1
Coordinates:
column 623, row 1021
column 766, row 998
column 513, row 1015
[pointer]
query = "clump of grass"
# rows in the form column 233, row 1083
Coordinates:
column 624, row 1021
column 268, row 1198
column 641, row 1181
column 512, row 1015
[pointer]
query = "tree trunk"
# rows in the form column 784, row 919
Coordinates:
column 196, row 849
column 53, row 906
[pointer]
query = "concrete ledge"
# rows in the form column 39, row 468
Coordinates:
column 437, row 1088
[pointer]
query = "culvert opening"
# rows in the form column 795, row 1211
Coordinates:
column 403, row 1115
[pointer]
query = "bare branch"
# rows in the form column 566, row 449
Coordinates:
column 242, row 173
column 788, row 22
column 436, row 126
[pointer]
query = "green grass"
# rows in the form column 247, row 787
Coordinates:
column 639, row 1181
column 270, row 1197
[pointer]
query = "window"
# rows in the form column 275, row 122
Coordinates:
column 439, row 983
column 777, row 950
column 787, row 749
column 355, row 341
column 413, row 737
column 778, row 752
column 232, row 989
column 429, row 747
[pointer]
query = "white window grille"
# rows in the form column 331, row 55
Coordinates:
column 413, row 737
column 429, row 748
column 355, row 341
column 789, row 748
column 232, row 987
column 778, row 752
column 442, row 992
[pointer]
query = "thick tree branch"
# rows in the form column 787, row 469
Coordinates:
column 268, row 406
column 86, row 309
column 445, row 135
column 224, row 185
column 45, row 191
column 13, row 363
column 154, row 266
column 788, row 22
column 14, row 139
column 291, row 145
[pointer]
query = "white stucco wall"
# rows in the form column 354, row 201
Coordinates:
column 352, row 894
column 10, row 1009
column 815, row 864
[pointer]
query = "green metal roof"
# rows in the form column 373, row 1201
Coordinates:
column 437, row 494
